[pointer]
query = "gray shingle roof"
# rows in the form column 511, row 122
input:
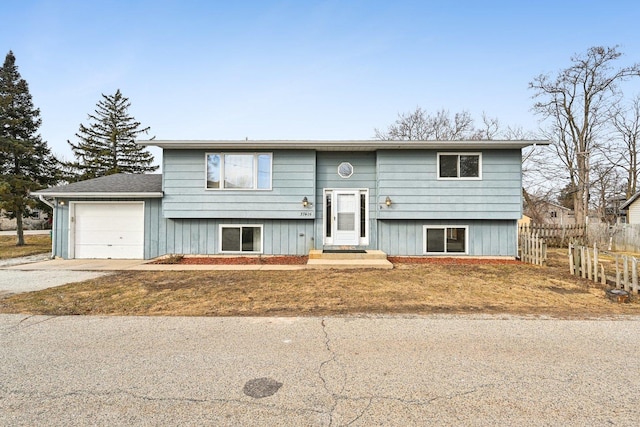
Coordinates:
column 126, row 184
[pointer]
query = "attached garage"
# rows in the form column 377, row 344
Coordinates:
column 107, row 230
column 104, row 217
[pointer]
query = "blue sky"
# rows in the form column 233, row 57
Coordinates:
column 298, row 69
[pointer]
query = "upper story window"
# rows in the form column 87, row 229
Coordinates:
column 238, row 171
column 459, row 166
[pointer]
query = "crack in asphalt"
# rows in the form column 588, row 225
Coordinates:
column 338, row 396
column 86, row 393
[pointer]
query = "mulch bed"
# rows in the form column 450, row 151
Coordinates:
column 450, row 261
column 248, row 260
column 300, row 260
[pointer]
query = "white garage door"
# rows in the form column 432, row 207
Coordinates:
column 109, row 230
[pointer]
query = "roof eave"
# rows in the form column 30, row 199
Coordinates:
column 339, row 145
column 95, row 194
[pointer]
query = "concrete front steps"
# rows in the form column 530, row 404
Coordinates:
column 348, row 260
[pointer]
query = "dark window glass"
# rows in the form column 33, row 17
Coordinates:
column 470, row 166
column 363, row 215
column 328, row 215
column 455, row 239
column 449, row 166
column 231, row 239
column 435, row 240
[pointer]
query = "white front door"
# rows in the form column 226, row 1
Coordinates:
column 346, row 217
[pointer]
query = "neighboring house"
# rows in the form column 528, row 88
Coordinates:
column 406, row 198
column 632, row 208
column 544, row 212
column 36, row 220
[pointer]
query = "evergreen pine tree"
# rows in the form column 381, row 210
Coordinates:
column 26, row 162
column 107, row 145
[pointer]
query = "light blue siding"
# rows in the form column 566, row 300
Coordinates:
column 201, row 236
column 364, row 177
column 185, row 196
column 409, row 178
column 60, row 226
column 486, row 237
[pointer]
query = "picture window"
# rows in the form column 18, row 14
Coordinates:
column 238, row 171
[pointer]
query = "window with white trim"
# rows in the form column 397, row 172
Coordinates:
column 445, row 240
column 238, row 171
column 240, row 238
column 459, row 165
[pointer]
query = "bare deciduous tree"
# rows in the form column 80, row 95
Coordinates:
column 576, row 104
column 419, row 125
column 626, row 122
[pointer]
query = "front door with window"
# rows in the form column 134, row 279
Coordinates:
column 345, row 214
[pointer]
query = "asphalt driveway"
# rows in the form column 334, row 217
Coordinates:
column 358, row 371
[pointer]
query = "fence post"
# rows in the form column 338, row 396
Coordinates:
column 603, row 278
column 595, row 263
column 583, row 273
column 617, row 274
column 625, row 272
column 634, row 274
column 589, row 272
column 571, row 266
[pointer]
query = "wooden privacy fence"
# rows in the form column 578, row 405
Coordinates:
column 585, row 262
column 617, row 237
column 532, row 249
column 556, row 235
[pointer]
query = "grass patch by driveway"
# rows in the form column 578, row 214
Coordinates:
column 34, row 244
column 440, row 287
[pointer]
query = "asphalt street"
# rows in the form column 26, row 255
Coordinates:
column 357, row 371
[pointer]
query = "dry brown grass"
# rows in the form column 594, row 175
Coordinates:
column 35, row 244
column 517, row 289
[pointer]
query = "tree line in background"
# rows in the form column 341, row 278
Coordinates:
column 106, row 146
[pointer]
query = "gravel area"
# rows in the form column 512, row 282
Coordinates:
column 18, row 281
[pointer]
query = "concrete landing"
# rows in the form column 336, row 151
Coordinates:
column 369, row 259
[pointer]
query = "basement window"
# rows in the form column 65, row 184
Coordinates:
column 241, row 239
column 445, row 240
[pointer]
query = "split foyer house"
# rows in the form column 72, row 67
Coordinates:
column 406, row 198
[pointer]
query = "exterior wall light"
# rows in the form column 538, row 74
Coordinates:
column 61, row 203
column 305, row 202
column 387, row 201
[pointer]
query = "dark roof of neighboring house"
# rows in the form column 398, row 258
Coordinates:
column 633, row 198
column 117, row 185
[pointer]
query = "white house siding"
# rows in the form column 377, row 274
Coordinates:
column 633, row 213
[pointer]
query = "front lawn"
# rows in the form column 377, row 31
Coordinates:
column 452, row 286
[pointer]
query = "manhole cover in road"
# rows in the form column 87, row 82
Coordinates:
column 261, row 387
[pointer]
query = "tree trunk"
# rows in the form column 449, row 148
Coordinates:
column 20, row 230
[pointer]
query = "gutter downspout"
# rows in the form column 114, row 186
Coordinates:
column 53, row 221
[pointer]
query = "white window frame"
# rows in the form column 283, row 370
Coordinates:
column 364, row 241
column 445, row 227
column 459, row 178
column 241, row 226
column 222, row 166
